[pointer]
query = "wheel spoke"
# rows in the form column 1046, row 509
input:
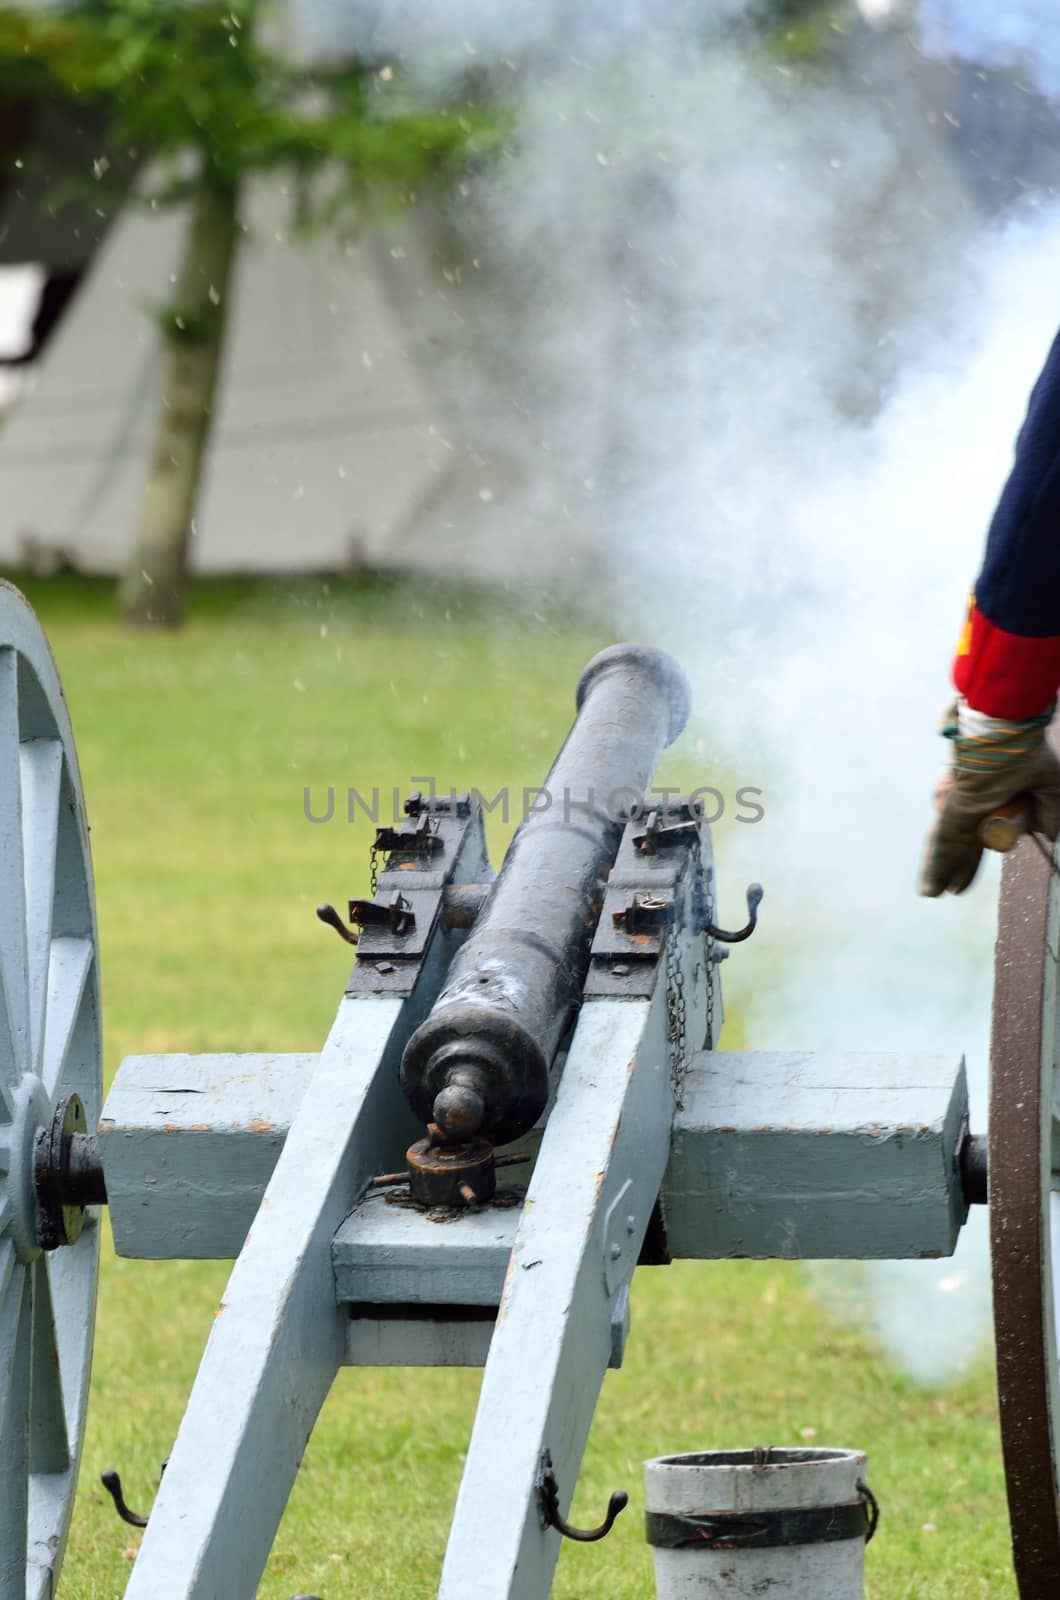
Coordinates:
column 68, row 969
column 5, row 1200
column 14, row 999
column 72, row 1282
column 10, row 1304
column 41, row 765
column 49, row 1448
column 14, row 1446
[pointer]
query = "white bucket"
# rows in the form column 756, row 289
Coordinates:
column 738, row 1524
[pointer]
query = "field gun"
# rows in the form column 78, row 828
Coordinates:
column 557, row 1024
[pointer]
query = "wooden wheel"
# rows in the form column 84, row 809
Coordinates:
column 50, row 1062
column 1025, row 1210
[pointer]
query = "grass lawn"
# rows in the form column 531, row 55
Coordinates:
column 195, row 752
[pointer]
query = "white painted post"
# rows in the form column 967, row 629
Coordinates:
column 742, row 1523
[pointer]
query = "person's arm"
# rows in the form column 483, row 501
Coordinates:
column 1008, row 661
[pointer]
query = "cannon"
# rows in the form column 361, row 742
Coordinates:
column 534, row 1056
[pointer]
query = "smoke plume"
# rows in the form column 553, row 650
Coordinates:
column 749, row 335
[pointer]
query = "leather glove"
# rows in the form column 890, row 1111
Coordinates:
column 990, row 768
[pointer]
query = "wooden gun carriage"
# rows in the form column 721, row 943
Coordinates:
column 534, row 1055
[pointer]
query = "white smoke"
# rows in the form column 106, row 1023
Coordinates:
column 798, row 513
column 758, row 346
column 1014, row 33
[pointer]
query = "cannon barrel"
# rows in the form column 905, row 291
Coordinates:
column 479, row 1062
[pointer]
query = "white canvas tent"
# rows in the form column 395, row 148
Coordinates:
column 333, row 448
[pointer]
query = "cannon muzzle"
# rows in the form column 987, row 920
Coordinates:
column 479, row 1063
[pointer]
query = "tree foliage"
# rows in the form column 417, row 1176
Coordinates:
column 206, row 96
column 183, row 80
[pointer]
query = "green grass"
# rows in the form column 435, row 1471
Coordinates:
column 195, row 751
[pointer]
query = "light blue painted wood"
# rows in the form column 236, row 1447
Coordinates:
column 436, row 1339
column 279, row 1337
column 432, row 1342
column 14, row 1443
column 773, row 1153
column 389, row 1255
column 554, row 1339
column 784, row 1154
column 189, row 1144
column 49, row 1047
column 41, row 772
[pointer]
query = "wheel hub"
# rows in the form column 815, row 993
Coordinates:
column 53, row 1170
column 67, row 1174
column 32, row 1113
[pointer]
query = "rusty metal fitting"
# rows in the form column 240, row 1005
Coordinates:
column 460, row 1108
column 451, row 1174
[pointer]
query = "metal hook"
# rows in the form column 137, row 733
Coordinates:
column 111, row 1481
column 755, row 893
column 548, row 1495
column 329, row 915
column 873, row 1506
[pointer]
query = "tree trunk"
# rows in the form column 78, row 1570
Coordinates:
column 153, row 586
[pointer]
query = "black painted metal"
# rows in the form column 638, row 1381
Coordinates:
column 975, row 1170
column 758, row 1530
column 513, row 987
column 548, row 1500
column 68, row 1175
column 392, row 947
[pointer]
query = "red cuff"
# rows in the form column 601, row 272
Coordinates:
column 1006, row 674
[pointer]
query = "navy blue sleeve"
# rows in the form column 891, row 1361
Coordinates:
column 1019, row 586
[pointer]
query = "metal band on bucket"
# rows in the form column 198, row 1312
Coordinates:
column 759, row 1530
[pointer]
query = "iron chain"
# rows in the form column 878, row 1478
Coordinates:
column 702, row 917
column 676, row 998
column 708, row 953
column 676, row 1009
